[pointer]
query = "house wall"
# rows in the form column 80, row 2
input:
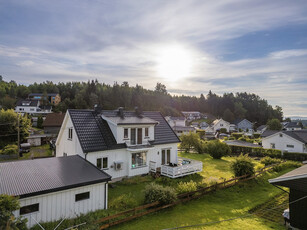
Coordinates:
column 52, row 130
column 65, row 145
column 298, row 209
column 125, row 156
column 26, row 109
column 282, row 142
column 245, row 124
column 220, row 125
column 62, row 204
column 35, row 141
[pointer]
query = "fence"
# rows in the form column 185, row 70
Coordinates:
column 153, row 207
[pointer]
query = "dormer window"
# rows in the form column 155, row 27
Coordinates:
column 126, row 133
column 70, row 134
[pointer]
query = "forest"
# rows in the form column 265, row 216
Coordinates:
column 84, row 95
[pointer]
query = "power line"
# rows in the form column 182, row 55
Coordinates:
column 234, row 218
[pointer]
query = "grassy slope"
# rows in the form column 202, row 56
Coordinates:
column 223, row 204
column 39, row 151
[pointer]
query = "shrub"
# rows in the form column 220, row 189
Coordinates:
column 10, row 150
column 256, row 135
column 223, row 130
column 122, row 202
column 286, row 165
column 155, row 192
column 243, row 166
column 189, row 141
column 217, row 149
column 295, row 156
column 237, row 135
column 269, row 161
column 184, row 187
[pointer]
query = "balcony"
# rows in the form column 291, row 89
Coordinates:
column 184, row 167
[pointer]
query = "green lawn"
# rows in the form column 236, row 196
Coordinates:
column 39, row 151
column 224, row 204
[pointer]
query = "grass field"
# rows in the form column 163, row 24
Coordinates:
column 39, row 151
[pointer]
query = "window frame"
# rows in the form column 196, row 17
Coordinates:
column 144, row 160
column 70, row 133
column 290, row 146
column 272, row 145
column 126, row 135
column 29, row 212
column 99, row 159
column 87, row 196
column 146, row 132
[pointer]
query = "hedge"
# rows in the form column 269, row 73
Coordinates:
column 295, row 156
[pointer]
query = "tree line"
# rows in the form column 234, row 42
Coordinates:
column 84, row 95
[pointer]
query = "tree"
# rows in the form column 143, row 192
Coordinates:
column 243, row 166
column 40, row 121
column 274, row 124
column 8, row 204
column 160, row 88
column 217, row 149
column 228, row 115
column 239, row 110
column 288, row 119
column 189, row 141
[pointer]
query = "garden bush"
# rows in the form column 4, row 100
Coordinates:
column 295, row 156
column 217, row 149
column 184, row 187
column 269, row 161
column 123, row 202
column 237, row 135
column 10, row 150
column 243, row 165
column 256, row 135
column 223, row 130
column 155, row 192
column 285, row 165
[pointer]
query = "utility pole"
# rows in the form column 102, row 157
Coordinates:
column 18, row 130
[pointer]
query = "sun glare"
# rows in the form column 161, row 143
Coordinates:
column 174, row 63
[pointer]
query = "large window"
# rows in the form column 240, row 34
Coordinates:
column 29, row 209
column 102, row 163
column 133, row 136
column 82, row 196
column 70, row 133
column 138, row 159
column 272, row 145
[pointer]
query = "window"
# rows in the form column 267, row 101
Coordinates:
column 102, row 163
column 140, row 136
column 29, row 209
column 138, row 159
column 290, row 146
column 70, row 133
column 31, row 109
column 280, row 134
column 65, row 154
column 98, row 163
column 133, row 136
column 125, row 133
column 272, row 145
column 221, row 125
column 146, row 132
column 82, row 196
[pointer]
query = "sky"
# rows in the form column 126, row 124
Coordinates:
column 190, row 46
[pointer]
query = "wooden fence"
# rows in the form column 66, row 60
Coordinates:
column 153, row 207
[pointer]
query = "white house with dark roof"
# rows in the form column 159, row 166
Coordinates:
column 55, row 188
column 123, row 143
column 290, row 141
column 176, row 121
column 243, row 124
column 291, row 126
column 217, row 125
column 32, row 107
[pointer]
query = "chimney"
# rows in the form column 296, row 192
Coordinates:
column 97, row 108
column 138, row 111
column 121, row 112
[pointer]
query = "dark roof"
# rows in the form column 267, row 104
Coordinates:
column 54, row 120
column 241, row 143
column 296, row 179
column 93, row 132
column 183, row 128
column 292, row 125
column 34, row 177
column 41, row 94
column 261, row 127
column 237, row 121
column 177, row 118
column 268, row 132
column 128, row 118
column 30, row 102
column 164, row 134
column 300, row 135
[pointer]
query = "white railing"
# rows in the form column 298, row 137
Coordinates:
column 152, row 166
column 182, row 170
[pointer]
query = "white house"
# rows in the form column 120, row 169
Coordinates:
column 290, row 126
column 290, row 141
column 123, row 143
column 262, row 128
column 218, row 124
column 176, row 121
column 243, row 124
column 54, row 188
column 32, row 107
column 180, row 130
column 192, row 115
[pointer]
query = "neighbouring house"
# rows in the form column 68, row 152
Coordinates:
column 176, row 121
column 243, row 124
column 53, row 122
column 240, row 143
column 195, row 124
column 51, row 189
column 39, row 139
column 179, row 130
column 53, row 98
column 192, row 115
column 296, row 180
column 289, row 141
column 217, row 125
column 232, row 128
column 203, row 125
column 262, row 128
column 290, row 126
column 32, row 107
column 123, row 143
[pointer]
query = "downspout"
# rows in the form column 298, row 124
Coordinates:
column 106, row 195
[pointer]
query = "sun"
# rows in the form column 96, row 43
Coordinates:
column 174, row 63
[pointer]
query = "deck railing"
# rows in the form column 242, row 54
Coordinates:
column 182, row 170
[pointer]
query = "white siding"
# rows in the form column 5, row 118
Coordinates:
column 282, row 142
column 221, row 124
column 62, row 204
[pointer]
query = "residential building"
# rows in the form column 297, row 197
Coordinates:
column 50, row 189
column 217, row 125
column 192, row 115
column 291, row 126
column 203, row 125
column 290, row 141
column 176, row 121
column 243, row 124
column 262, row 128
column 179, row 130
column 32, row 107
column 123, row 143
column 53, row 122
column 53, row 98
column 296, row 180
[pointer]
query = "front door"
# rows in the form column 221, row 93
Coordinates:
column 166, row 156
